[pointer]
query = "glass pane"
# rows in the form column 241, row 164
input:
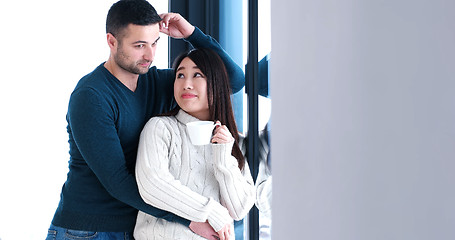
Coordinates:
column 162, row 54
column 263, row 165
column 234, row 39
column 264, row 180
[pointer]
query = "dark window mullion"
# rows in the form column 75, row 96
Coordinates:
column 252, row 89
column 201, row 13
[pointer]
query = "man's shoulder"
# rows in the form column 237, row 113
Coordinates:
column 96, row 77
column 96, row 87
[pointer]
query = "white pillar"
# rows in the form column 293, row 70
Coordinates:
column 363, row 119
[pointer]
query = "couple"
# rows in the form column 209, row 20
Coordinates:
column 182, row 191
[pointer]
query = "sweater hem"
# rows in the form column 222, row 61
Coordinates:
column 96, row 223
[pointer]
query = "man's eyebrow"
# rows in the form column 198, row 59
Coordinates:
column 145, row 42
column 139, row 42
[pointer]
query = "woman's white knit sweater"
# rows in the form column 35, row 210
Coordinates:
column 199, row 183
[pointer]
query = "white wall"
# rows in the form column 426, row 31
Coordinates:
column 363, row 121
column 46, row 47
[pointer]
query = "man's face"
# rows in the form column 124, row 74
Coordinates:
column 136, row 48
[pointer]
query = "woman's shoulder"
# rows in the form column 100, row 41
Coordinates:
column 161, row 126
column 162, row 120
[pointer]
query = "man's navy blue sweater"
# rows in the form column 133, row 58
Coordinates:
column 105, row 119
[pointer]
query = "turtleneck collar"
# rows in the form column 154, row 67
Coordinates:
column 185, row 118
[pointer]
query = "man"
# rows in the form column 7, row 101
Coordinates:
column 106, row 113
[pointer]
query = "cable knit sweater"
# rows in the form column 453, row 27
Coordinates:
column 199, row 183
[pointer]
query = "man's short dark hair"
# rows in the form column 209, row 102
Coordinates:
column 125, row 12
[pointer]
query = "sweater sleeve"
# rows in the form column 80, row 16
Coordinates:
column 159, row 187
column 95, row 134
column 236, row 76
column 236, row 186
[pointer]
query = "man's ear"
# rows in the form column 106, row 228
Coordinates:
column 111, row 41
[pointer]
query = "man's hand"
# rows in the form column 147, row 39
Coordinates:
column 204, row 230
column 174, row 25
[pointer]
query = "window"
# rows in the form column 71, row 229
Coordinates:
column 258, row 42
column 242, row 27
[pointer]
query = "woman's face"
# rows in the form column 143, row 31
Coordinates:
column 190, row 89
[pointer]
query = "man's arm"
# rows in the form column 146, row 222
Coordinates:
column 92, row 126
column 236, row 76
column 176, row 26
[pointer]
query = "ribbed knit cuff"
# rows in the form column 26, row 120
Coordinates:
column 222, row 155
column 218, row 215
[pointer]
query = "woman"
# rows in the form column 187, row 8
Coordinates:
column 201, row 183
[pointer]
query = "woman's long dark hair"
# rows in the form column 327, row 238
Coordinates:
column 218, row 92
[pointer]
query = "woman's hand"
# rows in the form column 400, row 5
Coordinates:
column 226, row 232
column 204, row 230
column 221, row 134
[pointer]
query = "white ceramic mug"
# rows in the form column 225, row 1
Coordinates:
column 201, row 131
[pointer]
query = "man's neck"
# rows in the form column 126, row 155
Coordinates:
column 128, row 79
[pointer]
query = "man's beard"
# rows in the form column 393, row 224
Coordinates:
column 133, row 67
